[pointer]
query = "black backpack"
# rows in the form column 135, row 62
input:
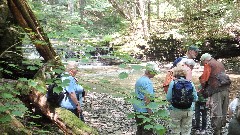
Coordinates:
column 55, row 93
column 182, row 94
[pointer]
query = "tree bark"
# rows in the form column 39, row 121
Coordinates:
column 81, row 9
column 14, row 127
column 120, row 9
column 142, row 8
column 28, row 21
column 64, row 119
column 71, row 6
column 158, row 10
column 149, row 14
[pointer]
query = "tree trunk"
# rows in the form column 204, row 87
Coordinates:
column 71, row 6
column 64, row 119
column 82, row 6
column 142, row 8
column 28, row 21
column 149, row 15
column 158, row 9
column 120, row 9
column 14, row 127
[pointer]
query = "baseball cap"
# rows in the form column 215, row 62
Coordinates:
column 194, row 48
column 176, row 62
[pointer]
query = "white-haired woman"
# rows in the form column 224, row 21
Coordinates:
column 188, row 65
column 181, row 116
column 70, row 101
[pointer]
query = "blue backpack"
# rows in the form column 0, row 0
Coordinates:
column 182, row 94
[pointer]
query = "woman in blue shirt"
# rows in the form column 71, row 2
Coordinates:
column 181, row 118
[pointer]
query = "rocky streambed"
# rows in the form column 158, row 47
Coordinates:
column 109, row 115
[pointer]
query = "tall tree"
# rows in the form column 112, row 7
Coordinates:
column 28, row 21
column 142, row 9
column 82, row 4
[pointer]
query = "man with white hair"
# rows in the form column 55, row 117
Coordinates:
column 73, row 89
column 218, row 96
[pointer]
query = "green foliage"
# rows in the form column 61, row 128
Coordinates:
column 99, row 19
column 123, row 75
column 159, row 113
column 12, row 106
column 209, row 19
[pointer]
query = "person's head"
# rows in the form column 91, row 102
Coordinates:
column 192, row 52
column 190, row 63
column 72, row 68
column 205, row 58
column 151, row 70
column 179, row 71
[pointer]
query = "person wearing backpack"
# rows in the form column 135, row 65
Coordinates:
column 217, row 84
column 181, row 95
column 234, row 113
column 191, row 53
column 73, row 89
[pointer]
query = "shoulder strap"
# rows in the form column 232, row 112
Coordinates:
column 174, row 87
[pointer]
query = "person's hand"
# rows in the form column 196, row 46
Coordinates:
column 200, row 90
column 208, row 103
column 149, row 111
column 79, row 110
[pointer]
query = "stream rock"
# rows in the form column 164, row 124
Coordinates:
column 108, row 114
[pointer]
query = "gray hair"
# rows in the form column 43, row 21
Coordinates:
column 71, row 65
column 179, row 70
column 206, row 56
column 190, row 62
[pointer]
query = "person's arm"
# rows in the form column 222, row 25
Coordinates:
column 194, row 93
column 147, row 96
column 147, row 101
column 70, row 89
column 73, row 96
column 169, row 92
column 205, row 76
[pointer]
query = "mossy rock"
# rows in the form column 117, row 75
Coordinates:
column 71, row 120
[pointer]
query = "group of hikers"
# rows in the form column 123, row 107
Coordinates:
column 186, row 100
column 184, row 97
